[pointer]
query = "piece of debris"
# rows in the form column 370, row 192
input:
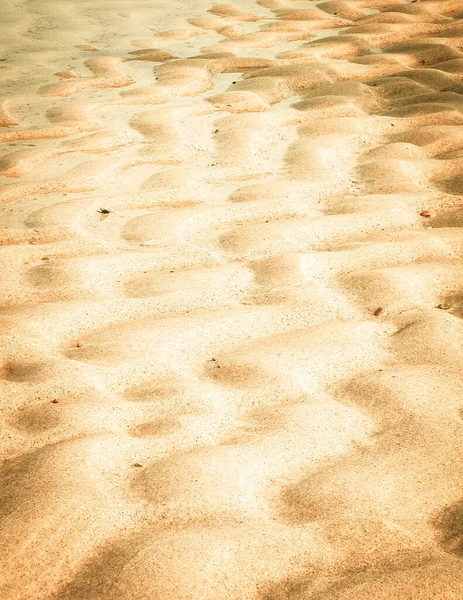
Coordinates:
column 137, row 465
column 425, row 213
column 443, row 306
column 104, row 212
column 79, row 344
column 55, row 401
column 379, row 311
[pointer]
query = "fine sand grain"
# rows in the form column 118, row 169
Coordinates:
column 231, row 300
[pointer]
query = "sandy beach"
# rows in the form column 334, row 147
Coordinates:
column 231, row 300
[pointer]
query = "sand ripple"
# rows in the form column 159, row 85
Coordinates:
column 231, row 301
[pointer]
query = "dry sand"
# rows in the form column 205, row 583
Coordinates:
column 238, row 383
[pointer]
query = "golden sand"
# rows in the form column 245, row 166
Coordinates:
column 231, row 300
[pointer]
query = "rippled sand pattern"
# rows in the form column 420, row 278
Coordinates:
column 231, row 291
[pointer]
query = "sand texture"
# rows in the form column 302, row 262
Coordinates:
column 231, row 300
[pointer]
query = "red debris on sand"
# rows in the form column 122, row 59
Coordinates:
column 55, row 401
column 425, row 213
column 379, row 311
column 79, row 344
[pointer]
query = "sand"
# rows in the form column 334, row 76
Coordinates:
column 231, row 300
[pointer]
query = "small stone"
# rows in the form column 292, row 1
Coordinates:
column 425, row 213
column 379, row 311
column 443, row 306
column 137, row 465
column 55, row 401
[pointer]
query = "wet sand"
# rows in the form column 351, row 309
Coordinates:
column 231, row 300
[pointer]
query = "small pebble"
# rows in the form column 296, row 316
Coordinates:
column 137, row 465
column 379, row 311
column 425, row 213
column 443, row 306
column 55, row 401
column 79, row 344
